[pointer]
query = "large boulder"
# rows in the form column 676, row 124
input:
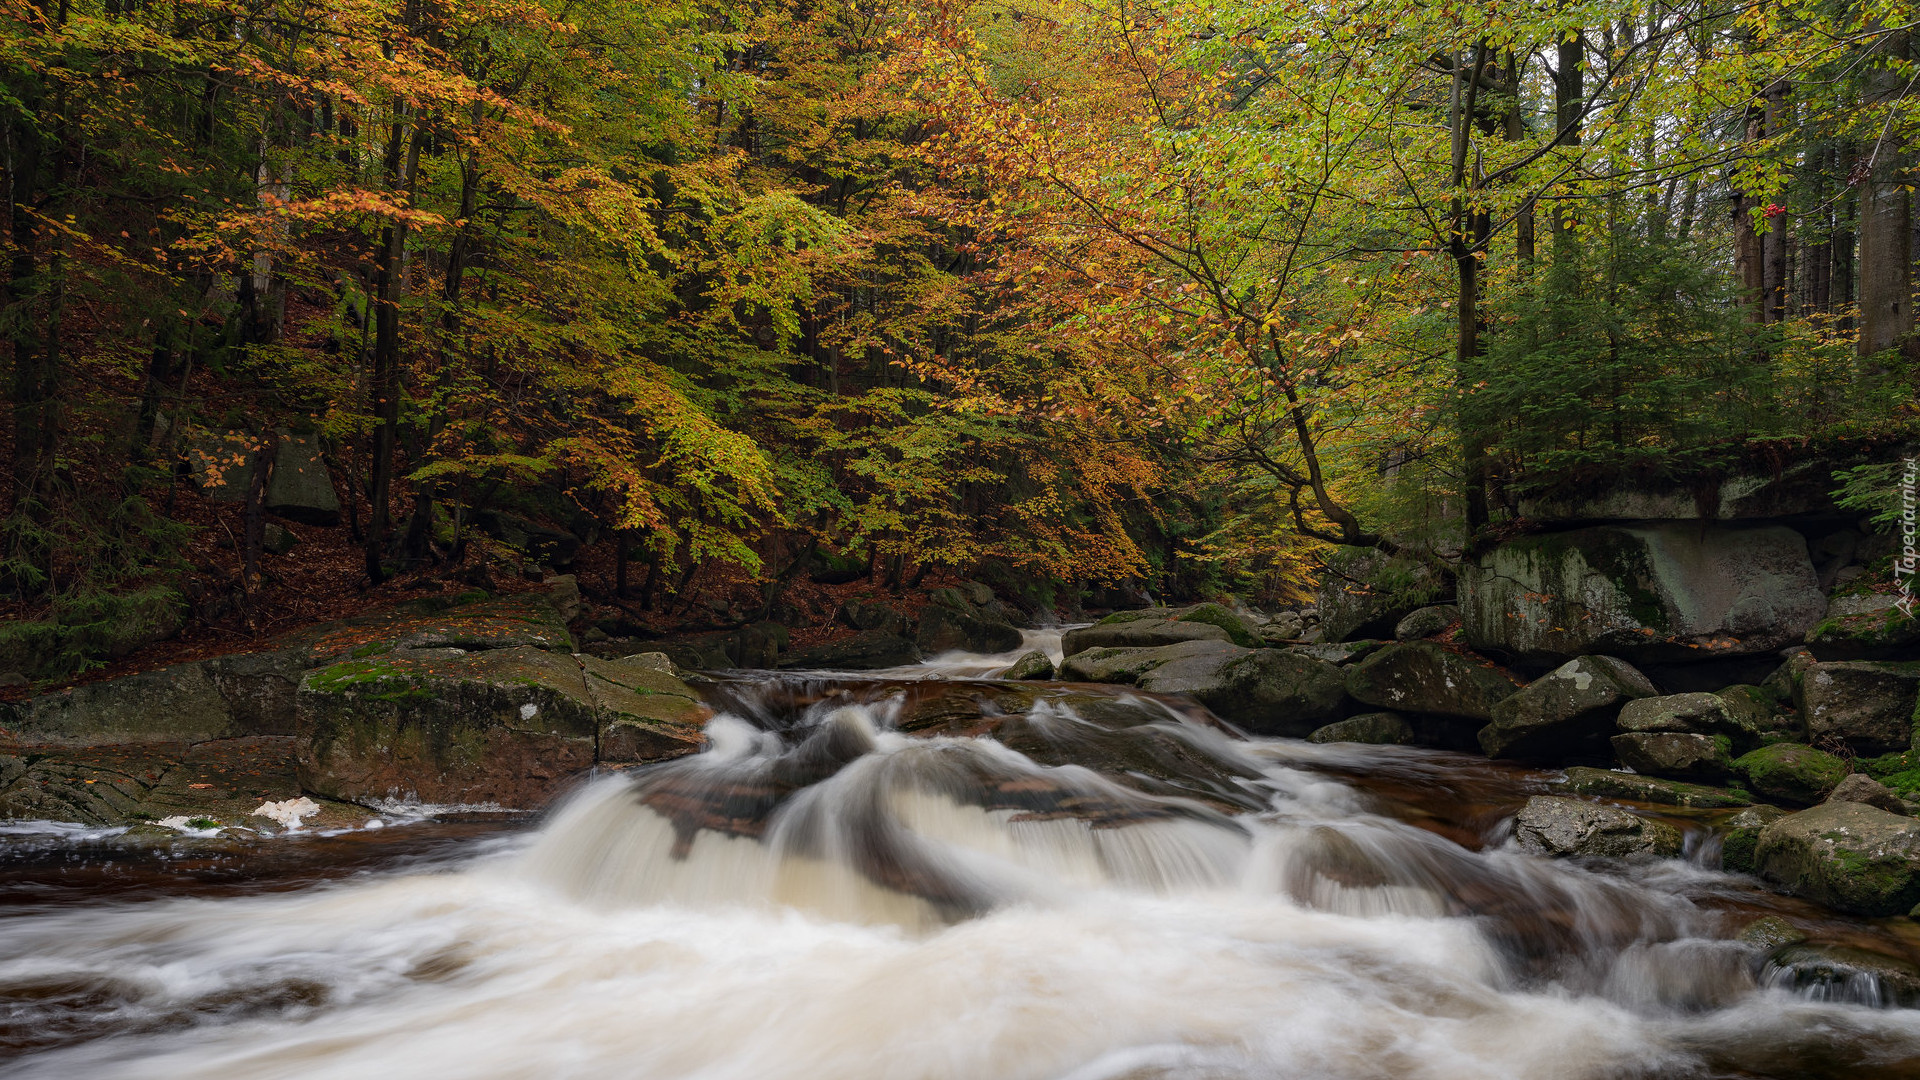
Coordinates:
column 1570, row 709
column 170, row 704
column 1675, row 754
column 1265, row 691
column 1560, row 827
column 1740, row 834
column 643, row 710
column 300, row 488
column 1871, row 706
column 1422, row 677
column 1374, row 728
column 1865, row 627
column 1033, row 664
column 1848, row 856
column 504, row 727
column 860, row 614
column 1150, row 628
column 1803, row 490
column 1608, row 784
column 953, row 622
column 865, row 651
column 1861, row 788
column 1667, row 592
column 1735, row 713
column 1426, row 622
column 1239, row 631
column 1789, row 773
column 1364, row 593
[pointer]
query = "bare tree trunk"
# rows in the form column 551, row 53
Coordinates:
column 1886, row 220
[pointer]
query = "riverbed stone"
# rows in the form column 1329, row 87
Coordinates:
column 1426, row 622
column 503, row 727
column 1893, row 980
column 1561, row 827
column 170, row 704
column 645, row 711
column 1428, row 678
column 1849, row 856
column 1032, row 664
column 1740, row 835
column 952, row 621
column 1265, row 691
column 1861, row 788
column 1375, row 728
column 1790, row 773
column 1869, row 705
column 1570, row 709
column 1634, row 787
column 1770, row 932
column 1674, row 754
column 1660, row 592
column 1145, row 629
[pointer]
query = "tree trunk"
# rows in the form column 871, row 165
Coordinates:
column 1886, row 218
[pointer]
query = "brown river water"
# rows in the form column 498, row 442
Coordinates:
column 925, row 873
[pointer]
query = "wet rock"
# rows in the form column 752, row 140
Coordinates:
column 1031, row 665
column 1740, row 835
column 1848, row 856
column 1376, row 728
column 505, row 727
column 1861, row 788
column 1146, row 629
column 1570, row 709
column 1427, row 678
column 1341, row 653
column 1426, row 622
column 1870, row 705
column 1550, row 825
column 1365, row 593
column 865, row 651
column 1608, row 784
column 220, row 781
column 871, row 615
column 1675, row 754
column 1869, row 627
column 1238, row 631
column 1266, row 691
column 170, row 704
column 300, row 488
column 1789, row 773
column 758, row 645
column 1660, row 592
column 645, row 711
column 1845, row 973
column 945, row 627
column 1770, row 932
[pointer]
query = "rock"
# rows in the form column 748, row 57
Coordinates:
column 300, row 488
column 865, row 651
column 1032, row 664
column 1427, row 678
column 1845, row 973
column 259, row 688
column 1869, row 627
column 1848, row 856
column 758, row 645
column 505, row 727
column 535, row 619
column 221, row 464
column 1799, row 775
column 542, row 543
column 1870, row 705
column 1570, row 709
column 1124, row 665
column 1365, row 593
column 947, row 627
column 1757, row 714
column 1696, row 714
column 827, row 568
column 1666, row 753
column 1341, row 653
column 1376, row 728
column 277, row 540
column 1426, row 622
column 1265, row 691
column 706, row 652
column 871, row 615
column 1237, row 629
column 170, row 704
column 1124, row 596
column 1740, row 835
column 1550, row 825
column 977, row 593
column 645, row 712
column 1147, row 629
column 1607, row 784
column 1770, row 932
column 14, row 678
column 222, row 780
column 1284, row 627
column 1671, row 592
column 1802, row 489
column 1861, row 788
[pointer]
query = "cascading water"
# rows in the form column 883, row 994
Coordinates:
column 921, row 875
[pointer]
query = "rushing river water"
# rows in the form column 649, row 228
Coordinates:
column 926, row 874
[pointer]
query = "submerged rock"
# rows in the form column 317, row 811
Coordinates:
column 1845, row 972
column 1427, row 678
column 1550, row 825
column 1665, row 753
column 1376, row 728
column 1770, row 932
column 1870, row 705
column 1568, row 710
column 1790, row 773
column 1608, row 784
column 1848, row 856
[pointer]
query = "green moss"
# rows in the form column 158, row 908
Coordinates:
column 367, row 677
column 371, row 648
column 1216, row 615
column 1131, row 616
column 202, row 823
column 472, row 596
column 1791, row 772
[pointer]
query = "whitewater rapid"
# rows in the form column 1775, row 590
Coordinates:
column 830, row 898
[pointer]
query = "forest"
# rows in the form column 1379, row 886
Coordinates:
column 1066, row 296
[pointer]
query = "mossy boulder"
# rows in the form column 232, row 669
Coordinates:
column 1865, row 627
column 1790, row 773
column 644, row 710
column 1869, row 705
column 1266, row 691
column 1561, row 827
column 1634, row 787
column 1031, row 665
column 1375, row 728
column 1675, row 754
column 170, row 704
column 1662, row 592
column 1148, row 629
column 1569, row 710
column 1424, row 677
column 1849, row 856
column 1740, row 835
column 1365, row 593
column 1219, row 615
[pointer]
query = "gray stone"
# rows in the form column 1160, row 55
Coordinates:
column 1607, row 784
column 299, row 488
column 1740, row 835
column 865, row 651
column 1674, row 754
column 170, row 704
column 1770, row 932
column 1846, row 972
column 1677, row 592
column 1550, row 825
column 277, row 540
column 1239, row 631
column 643, row 709
column 1375, row 728
column 1426, row 622
column 1849, row 856
column 944, row 628
column 1265, row 691
column 1861, row 788
column 1868, row 627
column 1365, row 593
column 1698, row 714
column 1142, row 631
column 976, row 593
column 1341, row 652
column 1032, row 664
column 221, row 463
column 1427, row 678
column 1789, row 773
column 1800, row 490
column 1869, row 705
column 1571, row 708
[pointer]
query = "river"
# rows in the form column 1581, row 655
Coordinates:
column 923, row 873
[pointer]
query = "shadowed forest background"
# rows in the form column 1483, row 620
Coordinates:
column 309, row 304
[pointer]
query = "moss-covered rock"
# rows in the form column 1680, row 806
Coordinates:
column 1608, row 784
column 170, row 704
column 1676, row 754
column 1869, row 705
column 1365, row 594
column 1790, row 773
column 1375, row 728
column 1560, row 827
column 1266, row 691
column 1740, row 835
column 1146, row 632
column 1033, row 664
column 1848, row 856
column 645, row 712
column 1867, row 627
column 1571, row 709
column 1427, row 678
column 1218, row 615
column 1426, row 622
